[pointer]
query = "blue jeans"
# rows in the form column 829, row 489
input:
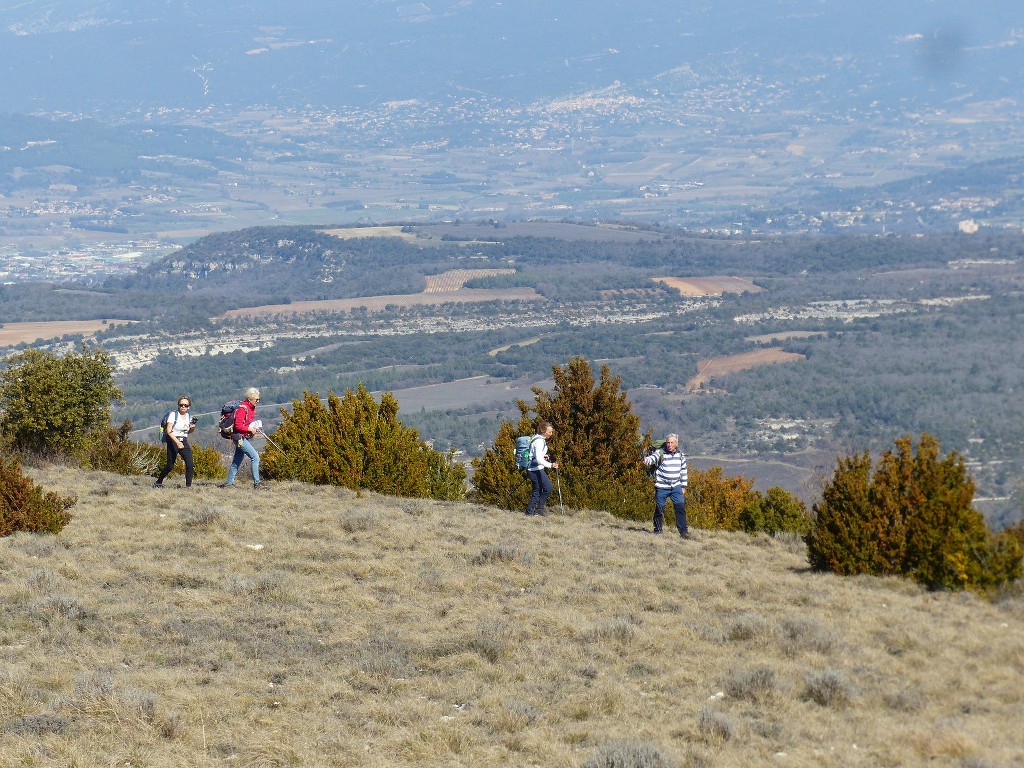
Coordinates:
column 244, row 448
column 541, row 490
column 661, row 495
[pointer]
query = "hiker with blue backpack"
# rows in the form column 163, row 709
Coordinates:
column 241, row 428
column 537, row 464
column 176, row 426
column 668, row 466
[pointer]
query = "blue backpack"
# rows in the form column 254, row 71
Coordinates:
column 523, row 445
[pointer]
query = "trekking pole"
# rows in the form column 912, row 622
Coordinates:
column 273, row 443
column 558, row 482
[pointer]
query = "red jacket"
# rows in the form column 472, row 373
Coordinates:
column 245, row 414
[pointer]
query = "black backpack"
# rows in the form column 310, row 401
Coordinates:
column 163, row 426
column 226, row 425
column 652, row 469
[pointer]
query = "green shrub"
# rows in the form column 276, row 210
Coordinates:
column 843, row 536
column 25, row 507
column 913, row 517
column 55, row 406
column 353, row 441
column 446, row 478
column 714, row 500
column 777, row 512
column 596, row 443
column 208, row 463
column 113, row 450
column 495, row 477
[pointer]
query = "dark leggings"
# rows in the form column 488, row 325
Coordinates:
column 541, row 490
column 172, row 453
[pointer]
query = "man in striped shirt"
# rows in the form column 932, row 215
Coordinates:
column 669, row 483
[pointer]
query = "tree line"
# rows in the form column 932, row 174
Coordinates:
column 913, row 517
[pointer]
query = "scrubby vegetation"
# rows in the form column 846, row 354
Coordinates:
column 911, row 517
column 55, row 406
column 356, row 442
column 24, row 506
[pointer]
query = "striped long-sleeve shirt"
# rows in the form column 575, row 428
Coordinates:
column 671, row 468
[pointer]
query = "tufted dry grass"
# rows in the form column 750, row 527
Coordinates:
column 311, row 627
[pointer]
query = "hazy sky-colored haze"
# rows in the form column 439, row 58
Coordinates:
column 107, row 58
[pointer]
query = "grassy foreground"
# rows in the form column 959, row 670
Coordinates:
column 310, row 627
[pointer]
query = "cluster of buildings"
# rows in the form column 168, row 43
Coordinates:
column 91, row 263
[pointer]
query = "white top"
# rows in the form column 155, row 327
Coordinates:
column 178, row 425
column 539, row 453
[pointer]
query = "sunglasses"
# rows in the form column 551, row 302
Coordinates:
column 184, row 405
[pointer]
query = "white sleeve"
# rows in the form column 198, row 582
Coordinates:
column 542, row 453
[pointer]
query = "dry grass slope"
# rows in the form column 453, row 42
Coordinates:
column 311, row 627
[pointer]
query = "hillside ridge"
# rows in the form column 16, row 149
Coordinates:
column 315, row 626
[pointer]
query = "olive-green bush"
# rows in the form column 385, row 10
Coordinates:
column 911, row 517
column 24, row 506
column 356, row 442
column 54, row 406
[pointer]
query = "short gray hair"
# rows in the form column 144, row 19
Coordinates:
column 673, row 436
column 251, row 392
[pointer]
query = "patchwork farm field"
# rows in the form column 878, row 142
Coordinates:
column 441, row 289
column 720, row 366
column 709, row 286
column 20, row 333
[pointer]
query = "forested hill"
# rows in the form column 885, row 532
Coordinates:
column 281, row 264
column 278, row 264
column 288, row 263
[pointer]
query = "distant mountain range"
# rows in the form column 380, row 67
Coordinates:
column 103, row 58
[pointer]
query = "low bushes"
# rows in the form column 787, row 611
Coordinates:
column 355, row 442
column 912, row 517
column 25, row 507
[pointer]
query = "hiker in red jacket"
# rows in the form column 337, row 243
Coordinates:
column 245, row 415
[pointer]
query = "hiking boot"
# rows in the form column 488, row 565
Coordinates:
column 686, row 536
column 226, row 485
column 158, row 485
column 259, row 486
column 657, row 532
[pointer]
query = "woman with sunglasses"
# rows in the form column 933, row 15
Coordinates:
column 177, row 426
column 246, row 427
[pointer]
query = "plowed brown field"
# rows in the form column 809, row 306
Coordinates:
column 379, row 303
column 440, row 289
column 719, row 366
column 17, row 333
column 709, row 286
